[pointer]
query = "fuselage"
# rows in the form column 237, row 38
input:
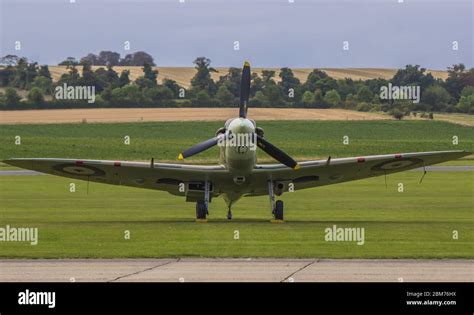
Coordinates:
column 238, row 154
column 238, row 149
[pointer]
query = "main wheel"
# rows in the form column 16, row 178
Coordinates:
column 201, row 210
column 278, row 211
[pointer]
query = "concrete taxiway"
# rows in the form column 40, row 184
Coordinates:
column 235, row 270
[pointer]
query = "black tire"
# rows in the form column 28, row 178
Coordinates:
column 201, row 210
column 279, row 210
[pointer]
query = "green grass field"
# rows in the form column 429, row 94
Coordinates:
column 416, row 223
column 163, row 141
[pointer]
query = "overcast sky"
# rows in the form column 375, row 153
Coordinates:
column 272, row 33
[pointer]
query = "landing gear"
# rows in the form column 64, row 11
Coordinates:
column 276, row 207
column 202, row 206
column 278, row 211
column 201, row 210
column 229, row 215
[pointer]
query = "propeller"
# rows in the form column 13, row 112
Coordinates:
column 244, row 90
column 276, row 153
column 195, row 149
column 263, row 144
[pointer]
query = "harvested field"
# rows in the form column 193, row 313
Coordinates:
column 176, row 114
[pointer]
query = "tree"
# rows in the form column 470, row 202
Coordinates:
column 350, row 101
column 267, row 77
column 259, row 100
column 397, row 114
column 173, row 86
column 224, row 96
column 44, row 72
column 108, row 58
column 124, row 78
column 232, row 81
column 202, row 81
column 326, row 84
column 456, row 80
column 288, row 81
column 72, row 77
column 364, row 94
column 273, row 94
column 6, row 76
column 129, row 95
column 313, row 78
column 413, row 75
column 70, row 61
column 158, row 94
column 111, row 77
column 466, row 101
column 256, row 84
column 307, row 99
column 9, row 60
column 88, row 76
column 138, row 58
column 346, row 87
column 466, row 104
column 149, row 73
column 35, row 96
column 202, row 99
column 24, row 74
column 44, row 84
column 91, row 59
column 318, row 97
column 332, row 98
column 143, row 83
column 436, row 97
column 12, row 99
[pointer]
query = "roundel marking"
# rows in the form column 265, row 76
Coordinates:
column 396, row 164
column 81, row 170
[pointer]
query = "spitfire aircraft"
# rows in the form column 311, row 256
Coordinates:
column 237, row 174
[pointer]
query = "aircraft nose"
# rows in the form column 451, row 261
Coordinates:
column 242, row 125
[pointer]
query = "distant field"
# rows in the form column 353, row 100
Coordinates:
column 164, row 140
column 183, row 75
column 462, row 119
column 107, row 115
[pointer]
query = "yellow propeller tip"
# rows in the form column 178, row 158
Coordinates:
column 297, row 167
column 180, row 157
column 246, row 64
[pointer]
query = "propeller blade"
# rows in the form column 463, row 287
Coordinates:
column 244, row 90
column 195, row 149
column 276, row 153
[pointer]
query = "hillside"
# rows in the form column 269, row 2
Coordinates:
column 183, row 75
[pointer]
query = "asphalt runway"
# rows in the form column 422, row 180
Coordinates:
column 457, row 168
column 236, row 270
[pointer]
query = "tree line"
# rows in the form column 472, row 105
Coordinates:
column 113, row 89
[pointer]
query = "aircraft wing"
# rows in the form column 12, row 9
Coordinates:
column 160, row 176
column 333, row 171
